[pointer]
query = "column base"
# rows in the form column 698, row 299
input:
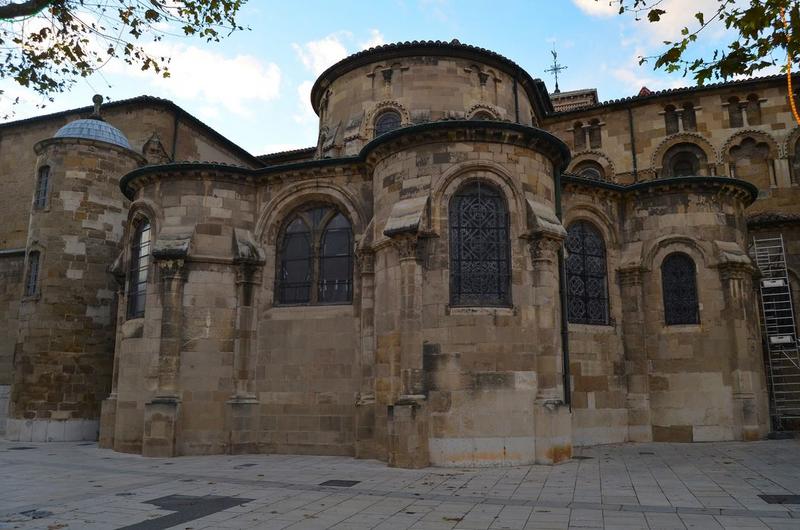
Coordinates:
column 108, row 422
column 242, row 424
column 161, row 427
column 408, row 433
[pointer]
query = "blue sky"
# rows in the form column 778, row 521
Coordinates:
column 253, row 87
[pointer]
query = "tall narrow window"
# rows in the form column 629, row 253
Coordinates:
column 679, row 285
column 387, row 121
column 753, row 110
column 335, row 262
column 479, row 247
column 689, row 117
column 595, row 138
column 42, row 187
column 670, row 119
column 735, row 113
column 32, row 281
column 316, row 258
column 578, row 136
column 138, row 269
column 587, row 286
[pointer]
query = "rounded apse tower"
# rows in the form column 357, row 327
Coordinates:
column 65, row 342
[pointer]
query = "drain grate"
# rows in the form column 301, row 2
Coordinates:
column 781, row 499
column 340, row 483
column 646, row 453
column 242, row 466
column 581, row 457
column 20, row 448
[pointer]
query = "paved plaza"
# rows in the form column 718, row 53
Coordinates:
column 703, row 486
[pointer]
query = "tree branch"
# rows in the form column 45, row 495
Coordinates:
column 23, row 9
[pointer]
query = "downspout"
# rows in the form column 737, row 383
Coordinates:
column 633, row 145
column 516, row 100
column 175, row 136
column 562, row 294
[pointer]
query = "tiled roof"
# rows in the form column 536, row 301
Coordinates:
column 678, row 91
column 93, row 129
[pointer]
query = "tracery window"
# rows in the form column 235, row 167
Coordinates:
column 735, row 118
column 670, row 119
column 316, row 258
column 32, row 281
column 42, row 187
column 679, row 287
column 387, row 121
column 482, row 115
column 590, row 170
column 138, row 268
column 480, row 271
column 683, row 160
column 587, row 285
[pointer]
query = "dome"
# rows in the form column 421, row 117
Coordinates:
column 93, row 129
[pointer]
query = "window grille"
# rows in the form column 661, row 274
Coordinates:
column 138, row 269
column 679, row 285
column 587, row 284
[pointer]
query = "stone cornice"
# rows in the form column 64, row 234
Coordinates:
column 40, row 147
column 744, row 189
column 440, row 131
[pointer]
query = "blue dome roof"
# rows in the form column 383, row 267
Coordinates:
column 90, row 129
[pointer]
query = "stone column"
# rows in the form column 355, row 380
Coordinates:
column 108, row 408
column 408, row 423
column 161, row 415
column 634, row 346
column 365, row 402
column 553, row 421
column 744, row 350
column 242, row 407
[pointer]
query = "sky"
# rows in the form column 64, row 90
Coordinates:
column 253, row 87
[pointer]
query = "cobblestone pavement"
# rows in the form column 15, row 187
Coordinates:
column 703, row 486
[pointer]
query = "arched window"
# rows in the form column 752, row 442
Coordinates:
column 32, row 281
column 670, row 119
column 683, row 160
column 480, row 271
column 679, row 287
column 595, row 138
column 590, row 170
column 587, row 286
column 482, row 115
column 42, row 187
column 387, row 121
column 735, row 113
column 316, row 258
column 753, row 110
column 578, row 136
column 689, row 117
column 138, row 268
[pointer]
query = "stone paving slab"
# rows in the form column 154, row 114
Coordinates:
column 711, row 485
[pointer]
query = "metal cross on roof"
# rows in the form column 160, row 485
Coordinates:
column 556, row 68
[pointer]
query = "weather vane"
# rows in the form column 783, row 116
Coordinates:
column 556, row 68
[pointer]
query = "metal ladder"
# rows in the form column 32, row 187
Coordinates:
column 780, row 331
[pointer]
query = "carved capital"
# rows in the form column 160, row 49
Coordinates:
column 407, row 246
column 735, row 271
column 631, row 276
column 171, row 269
column 544, row 246
column 248, row 272
column 365, row 260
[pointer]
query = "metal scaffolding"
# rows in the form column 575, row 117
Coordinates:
column 779, row 330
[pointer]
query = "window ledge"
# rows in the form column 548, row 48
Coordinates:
column 291, row 312
column 682, row 328
column 593, row 328
column 474, row 310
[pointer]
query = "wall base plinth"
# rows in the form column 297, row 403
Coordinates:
column 553, row 425
column 51, row 430
column 160, row 427
column 242, row 423
column 108, row 421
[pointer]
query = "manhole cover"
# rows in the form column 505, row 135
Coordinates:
column 340, row 483
column 781, row 499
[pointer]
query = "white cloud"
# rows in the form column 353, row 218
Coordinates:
column 375, row 39
column 317, row 55
column 598, row 8
column 210, row 77
column 305, row 113
column 632, row 76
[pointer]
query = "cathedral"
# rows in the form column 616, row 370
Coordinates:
column 465, row 270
